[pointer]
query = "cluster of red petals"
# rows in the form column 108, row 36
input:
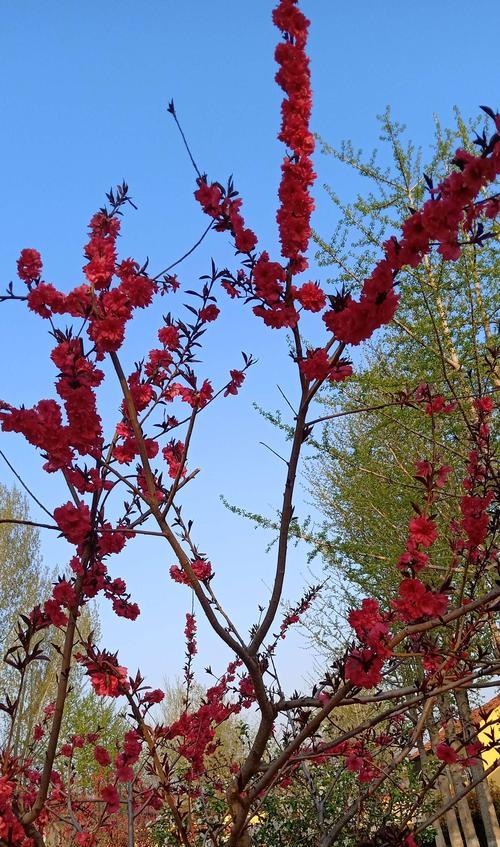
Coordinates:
column 107, row 309
column 432, row 475
column 279, row 316
column 415, row 601
column 197, row 398
column 169, row 336
column 190, row 633
column 173, row 454
column 76, row 383
column 226, row 211
column 237, row 379
column 100, row 251
column 74, row 522
column 268, row 279
column 293, row 76
column 75, row 742
column 108, row 678
column 475, row 505
column 11, row 831
column 43, row 427
column 63, row 596
column 154, row 696
column 311, row 297
column 363, row 666
column 247, row 691
column 29, row 265
column 446, row 753
column 102, row 756
column 422, row 531
column 369, row 623
column 128, row 757
column 195, row 731
column 475, row 519
column 318, row 365
column 434, row 404
column 85, row 839
column 111, row 797
column 439, row 221
column 201, row 567
column 359, row 760
column 209, row 313
column 269, row 286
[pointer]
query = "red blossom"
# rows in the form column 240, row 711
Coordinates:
column 363, row 668
column 316, row 365
column 237, row 379
column 108, row 678
column 416, row 601
column 29, row 265
column 73, row 521
column 310, row 296
column 268, row 279
column 446, row 753
column 422, row 530
column 66, row 750
column 412, row 558
column 124, row 609
column 111, row 797
column 41, row 426
column 169, row 336
column 197, row 399
column 54, row 613
column 201, row 568
column 64, row 594
column 475, row 519
column 154, row 696
column 38, row 732
column 85, row 839
column 369, row 624
column 277, row 317
column 484, row 404
column 173, row 454
column 209, row 197
column 209, row 313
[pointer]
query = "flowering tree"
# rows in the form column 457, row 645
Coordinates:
column 146, row 457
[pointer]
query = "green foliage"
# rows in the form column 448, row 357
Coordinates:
column 308, row 809
column 24, row 583
column 22, row 577
column 86, row 712
column 362, row 477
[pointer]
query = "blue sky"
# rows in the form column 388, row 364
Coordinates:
column 83, row 99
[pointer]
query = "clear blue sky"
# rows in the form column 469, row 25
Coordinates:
column 83, row 100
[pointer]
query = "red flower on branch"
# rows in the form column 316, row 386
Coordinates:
column 29, row 265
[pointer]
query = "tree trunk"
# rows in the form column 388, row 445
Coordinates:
column 483, row 793
column 456, row 778
column 457, row 783
column 454, row 833
column 439, row 837
column 130, row 816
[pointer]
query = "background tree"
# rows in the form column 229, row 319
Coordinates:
column 362, row 477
